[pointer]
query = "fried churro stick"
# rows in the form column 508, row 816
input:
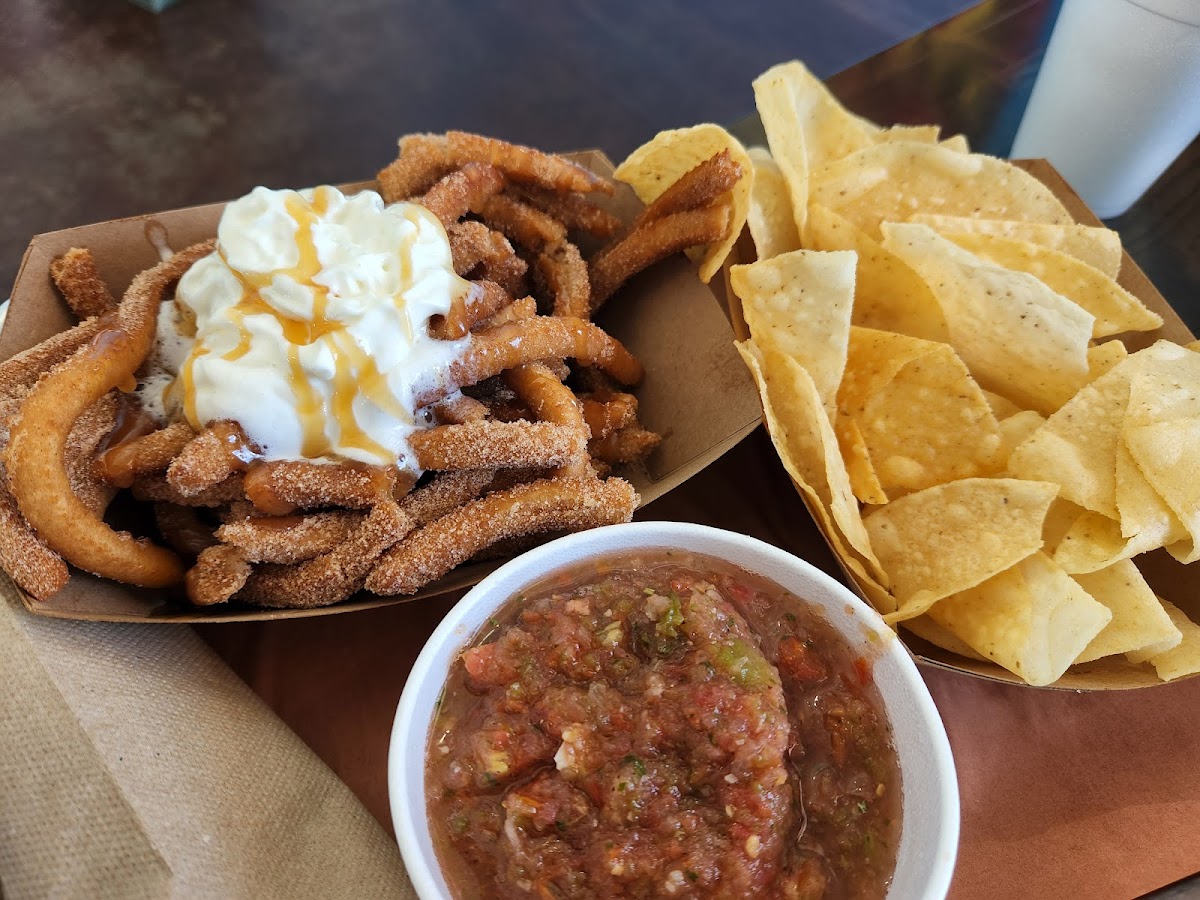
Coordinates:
column 159, row 490
column 627, row 445
column 606, row 412
column 524, row 225
column 283, row 486
column 525, row 308
column 75, row 275
column 421, row 164
column 485, row 299
column 548, row 505
column 21, row 371
column 218, row 574
column 92, row 427
column 183, row 529
column 576, row 212
column 333, row 576
column 524, row 164
column 552, row 401
column 491, row 352
column 290, row 539
column 459, row 192
column 458, row 408
column 651, row 242
column 698, row 187
column 445, row 493
column 36, row 569
column 123, row 463
column 219, row 451
column 478, row 445
column 475, row 246
column 562, row 275
column 35, row 458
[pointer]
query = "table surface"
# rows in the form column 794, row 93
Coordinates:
column 111, row 111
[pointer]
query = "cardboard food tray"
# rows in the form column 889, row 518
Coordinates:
column 1169, row 579
column 696, row 393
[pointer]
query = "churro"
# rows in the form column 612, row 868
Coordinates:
column 524, row 164
column 75, row 275
column 461, row 191
column 547, row 505
column 562, row 276
column 509, row 445
column 290, row 539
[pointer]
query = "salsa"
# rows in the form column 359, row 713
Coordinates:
column 662, row 725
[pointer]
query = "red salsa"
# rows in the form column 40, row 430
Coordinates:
column 663, row 725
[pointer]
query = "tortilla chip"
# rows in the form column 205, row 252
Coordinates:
column 1138, row 619
column 1162, row 432
column 1103, row 357
column 1094, row 542
column 775, row 99
column 1097, row 247
column 659, row 163
column 863, row 480
column 1184, row 658
column 1015, row 430
column 799, row 304
column 891, row 181
column 1143, row 512
column 916, row 134
column 1031, row 619
column 928, row 424
column 956, row 143
column 830, row 130
column 1018, row 337
column 1143, row 654
column 888, row 295
column 808, row 448
column 952, row 537
column 1002, row 407
column 1116, row 310
column 928, row 630
column 770, row 218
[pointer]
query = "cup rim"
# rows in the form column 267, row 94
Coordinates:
column 408, row 806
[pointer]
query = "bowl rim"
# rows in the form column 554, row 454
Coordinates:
column 408, row 812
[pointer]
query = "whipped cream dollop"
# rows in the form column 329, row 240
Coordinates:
column 308, row 325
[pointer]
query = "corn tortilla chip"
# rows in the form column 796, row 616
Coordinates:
column 775, row 99
column 1002, row 407
column 1017, row 337
column 799, row 304
column 1103, row 357
column 952, row 537
column 808, row 448
column 891, row 181
column 1116, row 310
column 1138, row 619
column 770, row 218
column 916, row 134
column 1098, row 247
column 1183, row 659
column 1015, row 429
column 659, row 163
column 888, row 295
column 830, row 130
column 928, row 425
column 928, row 630
column 1094, row 542
column 956, row 143
column 1143, row 654
column 1031, row 619
column 863, row 480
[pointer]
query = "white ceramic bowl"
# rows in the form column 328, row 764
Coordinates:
column 929, row 829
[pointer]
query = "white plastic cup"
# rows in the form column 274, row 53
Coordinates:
column 1117, row 98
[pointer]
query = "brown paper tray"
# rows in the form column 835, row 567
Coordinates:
column 696, row 393
column 1167, row 577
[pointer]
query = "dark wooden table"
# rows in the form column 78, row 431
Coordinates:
column 106, row 110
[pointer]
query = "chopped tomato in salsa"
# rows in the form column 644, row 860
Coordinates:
column 660, row 728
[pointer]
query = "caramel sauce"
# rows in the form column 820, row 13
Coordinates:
column 355, row 371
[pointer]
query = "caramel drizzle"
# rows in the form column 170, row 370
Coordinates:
column 355, row 371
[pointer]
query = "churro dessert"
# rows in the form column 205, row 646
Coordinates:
column 342, row 392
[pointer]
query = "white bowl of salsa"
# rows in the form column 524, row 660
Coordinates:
column 669, row 709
